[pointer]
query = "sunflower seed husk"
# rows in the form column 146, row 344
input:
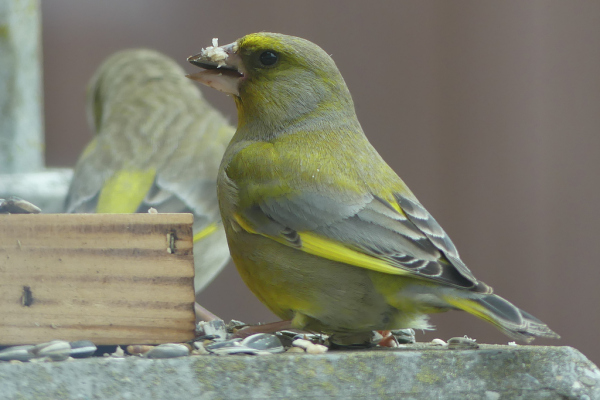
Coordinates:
column 139, row 349
column 213, row 330
column 462, row 343
column 16, row 205
column 82, row 349
column 56, row 350
column 169, row 350
column 404, row 336
column 19, row 353
column 264, row 342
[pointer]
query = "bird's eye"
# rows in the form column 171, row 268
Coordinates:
column 268, row 58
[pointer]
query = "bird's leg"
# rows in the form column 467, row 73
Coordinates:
column 388, row 339
column 263, row 328
column 202, row 314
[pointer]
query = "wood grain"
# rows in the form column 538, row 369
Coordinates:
column 109, row 278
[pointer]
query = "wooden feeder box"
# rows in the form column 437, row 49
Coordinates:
column 108, row 278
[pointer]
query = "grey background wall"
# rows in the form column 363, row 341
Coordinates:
column 490, row 111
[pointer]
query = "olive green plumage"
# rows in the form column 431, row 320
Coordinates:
column 321, row 229
column 157, row 144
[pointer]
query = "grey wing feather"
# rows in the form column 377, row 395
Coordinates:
column 422, row 220
column 415, row 242
column 82, row 203
column 85, row 187
column 199, row 198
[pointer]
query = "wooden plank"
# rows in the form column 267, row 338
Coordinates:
column 109, row 278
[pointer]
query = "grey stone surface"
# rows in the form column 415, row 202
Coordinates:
column 414, row 372
column 21, row 127
column 46, row 189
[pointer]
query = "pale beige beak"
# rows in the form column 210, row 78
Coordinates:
column 222, row 68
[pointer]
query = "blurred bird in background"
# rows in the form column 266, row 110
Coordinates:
column 157, row 144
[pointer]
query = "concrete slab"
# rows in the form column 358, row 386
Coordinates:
column 415, row 372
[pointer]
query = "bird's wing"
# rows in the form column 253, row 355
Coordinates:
column 396, row 237
column 181, row 178
column 128, row 191
column 89, row 177
column 197, row 196
column 101, row 185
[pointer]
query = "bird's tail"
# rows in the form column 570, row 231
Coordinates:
column 511, row 320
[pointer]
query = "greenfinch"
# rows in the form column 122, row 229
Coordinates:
column 157, row 144
column 320, row 228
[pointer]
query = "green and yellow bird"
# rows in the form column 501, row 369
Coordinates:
column 158, row 143
column 320, row 228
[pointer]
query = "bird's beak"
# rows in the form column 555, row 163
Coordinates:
column 222, row 67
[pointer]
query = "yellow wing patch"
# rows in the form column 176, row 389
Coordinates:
column 331, row 250
column 471, row 307
column 211, row 228
column 397, row 207
column 89, row 149
column 124, row 191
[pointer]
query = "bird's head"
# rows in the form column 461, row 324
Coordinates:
column 275, row 79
